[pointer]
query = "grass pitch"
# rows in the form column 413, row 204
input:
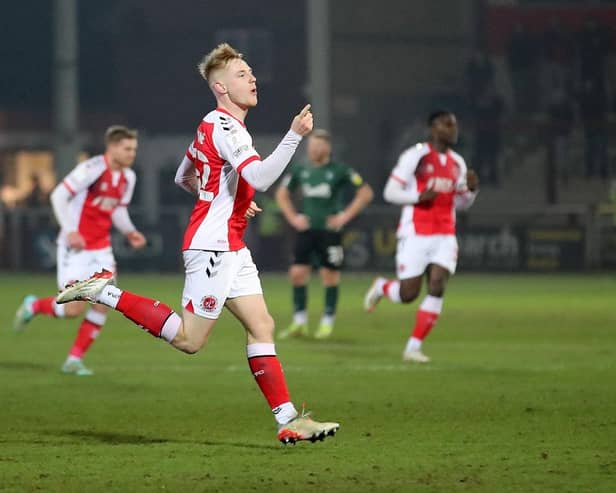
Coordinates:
column 521, row 396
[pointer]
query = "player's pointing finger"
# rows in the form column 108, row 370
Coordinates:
column 305, row 111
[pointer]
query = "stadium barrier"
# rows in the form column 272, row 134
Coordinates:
column 487, row 243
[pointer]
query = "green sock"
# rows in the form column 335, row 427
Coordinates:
column 331, row 300
column 300, row 296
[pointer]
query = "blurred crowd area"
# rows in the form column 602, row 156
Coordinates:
column 551, row 85
column 533, row 87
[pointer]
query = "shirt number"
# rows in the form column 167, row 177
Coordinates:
column 203, row 176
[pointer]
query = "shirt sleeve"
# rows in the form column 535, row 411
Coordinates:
column 131, row 179
column 404, row 171
column 234, row 144
column 83, row 175
column 352, row 178
column 464, row 198
column 289, row 180
column 185, row 176
column 401, row 188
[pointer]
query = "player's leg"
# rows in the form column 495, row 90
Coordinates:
column 247, row 304
column 331, row 258
column 31, row 306
column 81, row 265
column 252, row 312
column 330, row 279
column 444, row 258
column 299, row 276
column 88, row 331
column 411, row 263
column 208, row 277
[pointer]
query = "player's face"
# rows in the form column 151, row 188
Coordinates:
column 445, row 129
column 318, row 150
column 123, row 152
column 241, row 84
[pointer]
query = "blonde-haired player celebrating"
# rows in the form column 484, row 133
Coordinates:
column 222, row 169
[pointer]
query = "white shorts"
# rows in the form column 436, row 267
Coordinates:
column 76, row 265
column 212, row 277
column 415, row 253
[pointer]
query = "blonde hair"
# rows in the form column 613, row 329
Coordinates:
column 116, row 133
column 320, row 133
column 218, row 58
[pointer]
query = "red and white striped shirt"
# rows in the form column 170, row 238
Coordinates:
column 421, row 168
column 96, row 191
column 219, row 152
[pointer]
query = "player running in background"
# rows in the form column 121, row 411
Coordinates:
column 90, row 199
column 429, row 181
column 222, row 169
column 322, row 183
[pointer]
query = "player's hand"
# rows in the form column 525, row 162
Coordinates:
column 300, row 222
column 337, row 221
column 75, row 240
column 302, row 123
column 136, row 239
column 253, row 210
column 427, row 196
column 472, row 180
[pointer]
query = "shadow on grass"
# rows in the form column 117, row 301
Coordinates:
column 118, row 438
column 23, row 365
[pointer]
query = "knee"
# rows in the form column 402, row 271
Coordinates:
column 74, row 309
column 191, row 349
column 263, row 328
column 408, row 293
column 298, row 276
column 436, row 286
column 189, row 345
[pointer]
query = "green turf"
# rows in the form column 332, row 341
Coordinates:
column 521, row 397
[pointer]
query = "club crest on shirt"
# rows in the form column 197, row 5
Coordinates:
column 209, row 303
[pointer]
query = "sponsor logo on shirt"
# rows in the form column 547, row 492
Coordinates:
column 321, row 191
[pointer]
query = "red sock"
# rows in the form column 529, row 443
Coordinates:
column 424, row 322
column 270, row 378
column 145, row 312
column 88, row 331
column 44, row 306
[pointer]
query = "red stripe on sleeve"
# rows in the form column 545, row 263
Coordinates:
column 68, row 187
column 247, row 162
column 399, row 180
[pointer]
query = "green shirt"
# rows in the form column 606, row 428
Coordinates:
column 322, row 189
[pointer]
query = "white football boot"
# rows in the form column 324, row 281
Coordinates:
column 374, row 294
column 417, row 356
column 303, row 427
column 86, row 290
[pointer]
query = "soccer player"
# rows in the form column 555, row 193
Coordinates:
column 322, row 183
column 222, row 170
column 91, row 198
column 429, row 181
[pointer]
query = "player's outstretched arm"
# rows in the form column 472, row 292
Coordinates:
column 262, row 174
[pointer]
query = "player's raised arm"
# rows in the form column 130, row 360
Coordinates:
column 262, row 174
